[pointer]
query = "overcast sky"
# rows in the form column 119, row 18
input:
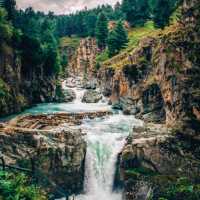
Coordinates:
column 62, row 6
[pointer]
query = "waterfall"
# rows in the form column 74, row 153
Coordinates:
column 105, row 139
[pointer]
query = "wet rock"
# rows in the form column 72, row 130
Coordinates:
column 92, row 96
column 91, row 85
column 69, row 95
column 117, row 106
column 66, row 95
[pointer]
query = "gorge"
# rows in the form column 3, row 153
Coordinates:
column 120, row 128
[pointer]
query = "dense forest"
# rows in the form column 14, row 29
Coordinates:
column 23, row 28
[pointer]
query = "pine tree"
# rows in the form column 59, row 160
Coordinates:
column 137, row 12
column 117, row 39
column 161, row 13
column 122, row 35
column 112, row 43
column 102, row 30
column 10, row 7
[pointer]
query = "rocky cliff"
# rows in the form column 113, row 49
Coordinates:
column 160, row 78
column 159, row 82
column 83, row 63
column 49, row 146
column 20, row 84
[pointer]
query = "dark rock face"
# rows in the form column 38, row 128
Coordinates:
column 68, row 96
column 21, row 88
column 92, row 96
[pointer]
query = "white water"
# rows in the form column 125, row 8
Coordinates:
column 105, row 138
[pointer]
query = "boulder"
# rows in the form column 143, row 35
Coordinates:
column 91, row 85
column 69, row 95
column 92, row 96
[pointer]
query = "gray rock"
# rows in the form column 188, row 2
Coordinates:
column 117, row 106
column 91, row 85
column 69, row 95
column 92, row 96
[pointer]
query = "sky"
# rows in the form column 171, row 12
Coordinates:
column 62, row 6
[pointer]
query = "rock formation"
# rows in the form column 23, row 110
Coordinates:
column 20, row 88
column 50, row 142
column 160, row 80
column 83, row 63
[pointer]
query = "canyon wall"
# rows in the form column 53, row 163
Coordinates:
column 22, row 85
column 84, row 60
column 160, row 78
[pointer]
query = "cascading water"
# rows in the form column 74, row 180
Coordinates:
column 105, row 138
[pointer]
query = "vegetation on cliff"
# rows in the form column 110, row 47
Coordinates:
column 15, row 186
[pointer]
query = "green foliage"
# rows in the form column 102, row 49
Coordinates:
column 10, row 7
column 181, row 189
column 102, row 30
column 17, row 187
column 162, row 10
column 117, row 39
column 6, row 30
column 162, row 13
column 137, row 12
column 4, row 90
column 103, row 56
column 72, row 42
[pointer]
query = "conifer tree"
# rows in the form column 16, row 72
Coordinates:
column 161, row 13
column 10, row 8
column 102, row 30
column 117, row 39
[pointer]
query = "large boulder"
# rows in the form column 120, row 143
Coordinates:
column 92, row 96
column 90, row 85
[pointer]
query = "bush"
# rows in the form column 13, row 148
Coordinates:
column 17, row 187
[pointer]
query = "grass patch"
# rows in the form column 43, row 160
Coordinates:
column 102, row 57
column 136, row 34
column 70, row 42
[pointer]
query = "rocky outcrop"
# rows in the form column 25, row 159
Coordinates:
column 160, row 77
column 153, row 159
column 85, row 59
column 68, row 95
column 22, row 86
column 92, row 96
column 51, row 146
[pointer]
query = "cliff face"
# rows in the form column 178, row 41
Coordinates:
column 160, row 80
column 83, row 63
column 21, row 86
column 161, row 77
